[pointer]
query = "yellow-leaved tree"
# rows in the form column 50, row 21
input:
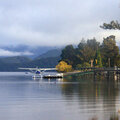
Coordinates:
column 63, row 67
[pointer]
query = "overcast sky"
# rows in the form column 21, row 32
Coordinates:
column 55, row 22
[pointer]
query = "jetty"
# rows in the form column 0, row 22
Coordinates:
column 106, row 72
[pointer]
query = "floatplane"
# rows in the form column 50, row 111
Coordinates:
column 39, row 72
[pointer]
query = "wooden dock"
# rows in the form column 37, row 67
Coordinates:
column 106, row 72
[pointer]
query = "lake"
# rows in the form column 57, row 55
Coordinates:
column 72, row 98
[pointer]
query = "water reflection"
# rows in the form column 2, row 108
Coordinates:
column 100, row 96
column 78, row 97
column 94, row 118
column 113, row 117
column 97, row 99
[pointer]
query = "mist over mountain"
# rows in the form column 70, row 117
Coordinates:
column 41, row 57
column 24, row 50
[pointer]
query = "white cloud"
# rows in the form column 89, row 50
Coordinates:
column 54, row 22
column 11, row 53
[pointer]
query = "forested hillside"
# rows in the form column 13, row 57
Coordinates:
column 105, row 54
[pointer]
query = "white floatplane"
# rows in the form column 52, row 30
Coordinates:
column 39, row 72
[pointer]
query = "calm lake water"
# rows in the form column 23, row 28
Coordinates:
column 72, row 98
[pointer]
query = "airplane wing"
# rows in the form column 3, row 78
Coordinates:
column 28, row 68
column 47, row 69
column 44, row 69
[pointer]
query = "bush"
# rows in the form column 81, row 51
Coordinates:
column 63, row 67
column 78, row 66
column 85, row 64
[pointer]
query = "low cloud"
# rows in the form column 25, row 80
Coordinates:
column 4, row 53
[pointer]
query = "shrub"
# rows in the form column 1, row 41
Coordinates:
column 63, row 67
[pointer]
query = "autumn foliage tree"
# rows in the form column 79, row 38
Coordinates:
column 63, row 67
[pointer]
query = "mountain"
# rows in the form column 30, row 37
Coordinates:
column 43, row 62
column 50, row 53
column 48, row 59
column 16, row 59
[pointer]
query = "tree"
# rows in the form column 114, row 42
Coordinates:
column 112, row 52
column 117, row 61
column 87, row 50
column 109, row 50
column 63, row 67
column 98, row 59
column 84, row 65
column 69, row 55
column 79, row 66
column 112, row 25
